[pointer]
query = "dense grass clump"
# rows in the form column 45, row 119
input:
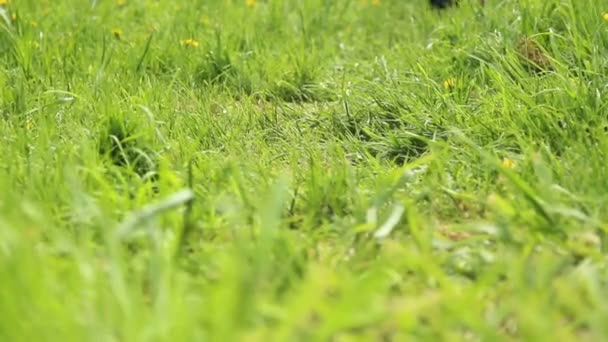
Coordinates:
column 303, row 170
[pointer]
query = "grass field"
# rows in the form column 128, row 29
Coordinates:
column 303, row 170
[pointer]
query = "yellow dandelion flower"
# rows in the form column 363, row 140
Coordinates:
column 450, row 83
column 189, row 42
column 376, row 2
column 508, row 163
column 605, row 16
column 3, row 2
column 117, row 33
column 250, row 3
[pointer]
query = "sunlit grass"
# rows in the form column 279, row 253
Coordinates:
column 303, row 170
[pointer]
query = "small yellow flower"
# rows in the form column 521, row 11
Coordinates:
column 376, row 2
column 508, row 163
column 189, row 42
column 450, row 83
column 250, row 3
column 14, row 17
column 29, row 124
column 121, row 2
column 605, row 16
column 33, row 23
column 117, row 33
column 3, row 2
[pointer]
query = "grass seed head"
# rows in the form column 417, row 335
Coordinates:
column 532, row 55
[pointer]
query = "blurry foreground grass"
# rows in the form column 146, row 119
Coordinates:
column 303, row 170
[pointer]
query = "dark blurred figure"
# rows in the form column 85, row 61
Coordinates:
column 443, row 3
column 448, row 3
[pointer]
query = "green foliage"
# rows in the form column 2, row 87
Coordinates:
column 303, row 170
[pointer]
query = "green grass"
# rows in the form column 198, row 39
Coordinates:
column 302, row 171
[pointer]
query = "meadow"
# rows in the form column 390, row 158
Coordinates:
column 303, row 170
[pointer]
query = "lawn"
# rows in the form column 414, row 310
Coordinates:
column 303, row 170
